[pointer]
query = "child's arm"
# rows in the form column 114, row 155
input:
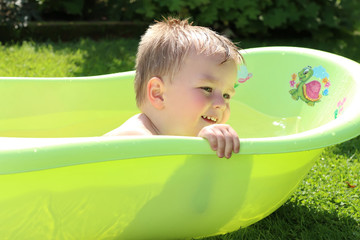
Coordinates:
column 222, row 138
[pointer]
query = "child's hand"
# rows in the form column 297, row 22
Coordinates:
column 222, row 138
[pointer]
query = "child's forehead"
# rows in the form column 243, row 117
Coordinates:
column 208, row 68
column 209, row 64
column 195, row 53
column 202, row 66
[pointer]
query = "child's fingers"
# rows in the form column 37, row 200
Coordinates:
column 213, row 141
column 209, row 135
column 236, row 140
column 229, row 143
column 221, row 142
column 222, row 139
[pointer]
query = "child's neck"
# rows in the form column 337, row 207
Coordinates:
column 149, row 124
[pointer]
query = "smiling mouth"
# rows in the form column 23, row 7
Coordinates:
column 209, row 119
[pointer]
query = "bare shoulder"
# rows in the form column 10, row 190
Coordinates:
column 136, row 125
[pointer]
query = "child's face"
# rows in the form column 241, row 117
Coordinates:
column 199, row 95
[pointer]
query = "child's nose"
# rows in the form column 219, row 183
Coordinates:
column 219, row 102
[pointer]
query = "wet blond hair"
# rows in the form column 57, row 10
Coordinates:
column 165, row 45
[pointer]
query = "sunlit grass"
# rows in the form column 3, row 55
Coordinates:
column 71, row 59
column 39, row 60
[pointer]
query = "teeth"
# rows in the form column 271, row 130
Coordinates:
column 210, row 118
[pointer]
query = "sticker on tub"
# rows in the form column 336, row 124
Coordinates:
column 310, row 84
column 340, row 108
column 242, row 75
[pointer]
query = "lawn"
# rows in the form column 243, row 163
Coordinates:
column 69, row 59
column 327, row 203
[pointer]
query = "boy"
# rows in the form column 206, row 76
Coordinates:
column 185, row 77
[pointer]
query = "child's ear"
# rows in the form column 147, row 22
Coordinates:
column 155, row 92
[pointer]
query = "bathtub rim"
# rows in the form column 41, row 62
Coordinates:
column 345, row 127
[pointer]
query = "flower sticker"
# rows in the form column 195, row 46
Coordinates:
column 293, row 79
column 325, row 92
column 340, row 108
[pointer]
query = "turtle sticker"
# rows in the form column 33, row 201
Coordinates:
column 311, row 86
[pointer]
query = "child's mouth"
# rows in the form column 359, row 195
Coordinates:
column 209, row 119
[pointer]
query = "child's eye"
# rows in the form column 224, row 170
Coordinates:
column 226, row 96
column 207, row 89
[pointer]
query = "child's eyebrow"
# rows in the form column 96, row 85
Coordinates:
column 208, row 78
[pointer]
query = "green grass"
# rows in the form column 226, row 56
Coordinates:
column 69, row 59
column 323, row 207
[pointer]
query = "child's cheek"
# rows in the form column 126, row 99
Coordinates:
column 226, row 115
column 200, row 100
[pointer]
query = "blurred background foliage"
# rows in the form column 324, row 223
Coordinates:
column 240, row 18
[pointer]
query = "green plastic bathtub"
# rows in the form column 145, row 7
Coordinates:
column 60, row 180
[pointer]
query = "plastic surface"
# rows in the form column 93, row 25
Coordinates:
column 60, row 180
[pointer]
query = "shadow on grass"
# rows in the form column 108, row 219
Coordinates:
column 350, row 149
column 107, row 56
column 298, row 222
